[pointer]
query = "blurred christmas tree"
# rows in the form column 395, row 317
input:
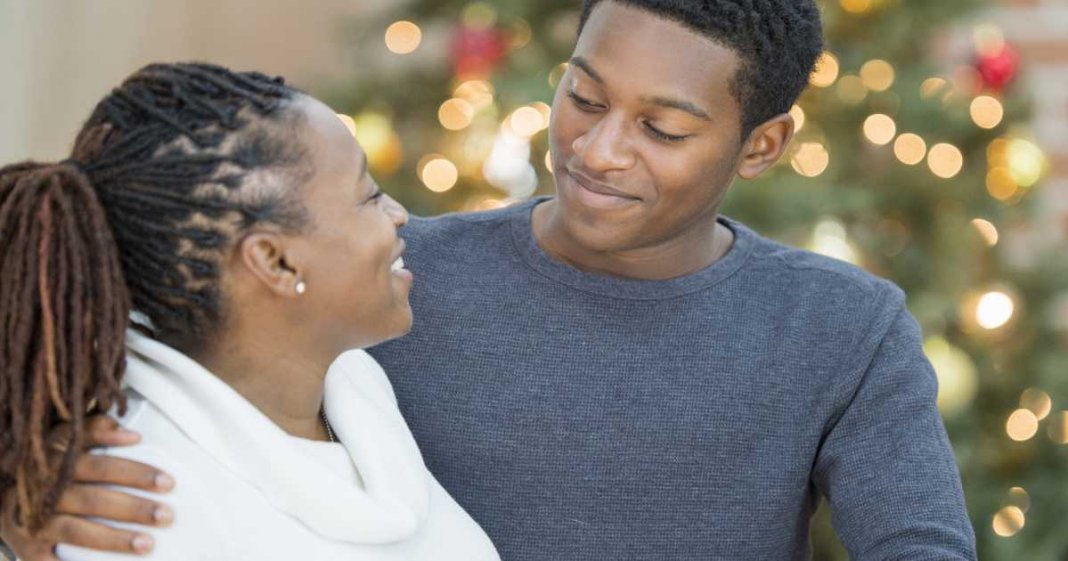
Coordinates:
column 912, row 159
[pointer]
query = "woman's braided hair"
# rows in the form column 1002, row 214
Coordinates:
column 164, row 175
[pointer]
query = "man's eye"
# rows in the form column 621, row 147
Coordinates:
column 661, row 135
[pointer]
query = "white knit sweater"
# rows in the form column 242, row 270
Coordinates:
column 247, row 490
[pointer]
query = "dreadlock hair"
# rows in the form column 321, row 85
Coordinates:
column 777, row 43
column 170, row 167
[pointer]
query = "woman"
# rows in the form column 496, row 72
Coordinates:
column 234, row 217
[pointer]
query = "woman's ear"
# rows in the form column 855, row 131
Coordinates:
column 766, row 145
column 264, row 255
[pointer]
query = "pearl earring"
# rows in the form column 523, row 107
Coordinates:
column 301, row 287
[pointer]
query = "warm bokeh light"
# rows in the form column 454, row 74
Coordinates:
column 546, row 112
column 1001, row 180
column 1009, row 521
column 799, row 117
column 932, row 86
column 910, row 149
column 349, row 123
column 855, row 6
column 1022, row 425
column 525, row 121
column 811, row 159
column 438, row 174
column 456, row 114
column 958, row 381
column 945, row 160
column 986, row 111
column 1019, row 498
column 877, row 75
column 1057, row 428
column 830, row 238
column 1000, row 184
column 987, row 230
column 1037, row 402
column 479, row 93
column 403, row 37
column 879, row 129
column 994, row 310
column 851, row 89
column 1026, row 162
column 826, row 71
column 521, row 34
column 549, row 162
column 374, row 132
column 557, row 74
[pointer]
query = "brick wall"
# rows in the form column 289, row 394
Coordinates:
column 1039, row 30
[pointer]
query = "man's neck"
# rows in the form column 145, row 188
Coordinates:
column 697, row 249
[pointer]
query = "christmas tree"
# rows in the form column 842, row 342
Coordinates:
column 912, row 159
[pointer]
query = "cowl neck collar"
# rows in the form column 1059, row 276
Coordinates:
column 359, row 403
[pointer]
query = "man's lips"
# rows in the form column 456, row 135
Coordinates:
column 599, row 188
column 598, row 195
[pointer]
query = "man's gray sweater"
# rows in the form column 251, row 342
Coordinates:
column 580, row 416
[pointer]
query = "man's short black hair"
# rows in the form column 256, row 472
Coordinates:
column 777, row 42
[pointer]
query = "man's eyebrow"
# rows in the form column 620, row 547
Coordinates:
column 363, row 166
column 668, row 102
column 585, row 66
column 679, row 104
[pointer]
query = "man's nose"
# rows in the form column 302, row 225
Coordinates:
column 605, row 147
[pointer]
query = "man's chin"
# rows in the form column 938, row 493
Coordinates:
column 601, row 236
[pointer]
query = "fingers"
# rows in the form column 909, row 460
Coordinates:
column 72, row 530
column 33, row 552
column 102, row 430
column 93, row 468
column 92, row 500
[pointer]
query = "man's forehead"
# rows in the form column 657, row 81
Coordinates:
column 630, row 49
column 634, row 39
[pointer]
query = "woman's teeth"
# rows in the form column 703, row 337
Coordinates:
column 397, row 265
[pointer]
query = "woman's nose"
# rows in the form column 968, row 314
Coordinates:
column 396, row 211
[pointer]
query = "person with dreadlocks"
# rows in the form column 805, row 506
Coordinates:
column 233, row 219
column 620, row 372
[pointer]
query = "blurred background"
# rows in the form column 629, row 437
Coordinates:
column 933, row 150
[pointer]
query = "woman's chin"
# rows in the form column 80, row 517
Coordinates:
column 400, row 324
column 406, row 324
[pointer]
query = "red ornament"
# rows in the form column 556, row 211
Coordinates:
column 475, row 52
column 997, row 70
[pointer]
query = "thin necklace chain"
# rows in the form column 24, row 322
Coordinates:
column 326, row 423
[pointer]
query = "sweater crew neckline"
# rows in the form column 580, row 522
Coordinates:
column 618, row 287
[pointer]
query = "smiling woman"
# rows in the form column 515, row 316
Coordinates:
column 235, row 218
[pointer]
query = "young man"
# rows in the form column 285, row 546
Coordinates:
column 619, row 372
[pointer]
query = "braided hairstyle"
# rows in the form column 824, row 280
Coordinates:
column 777, row 43
column 170, row 167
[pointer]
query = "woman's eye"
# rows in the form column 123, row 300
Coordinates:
column 375, row 198
column 661, row 135
column 582, row 103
